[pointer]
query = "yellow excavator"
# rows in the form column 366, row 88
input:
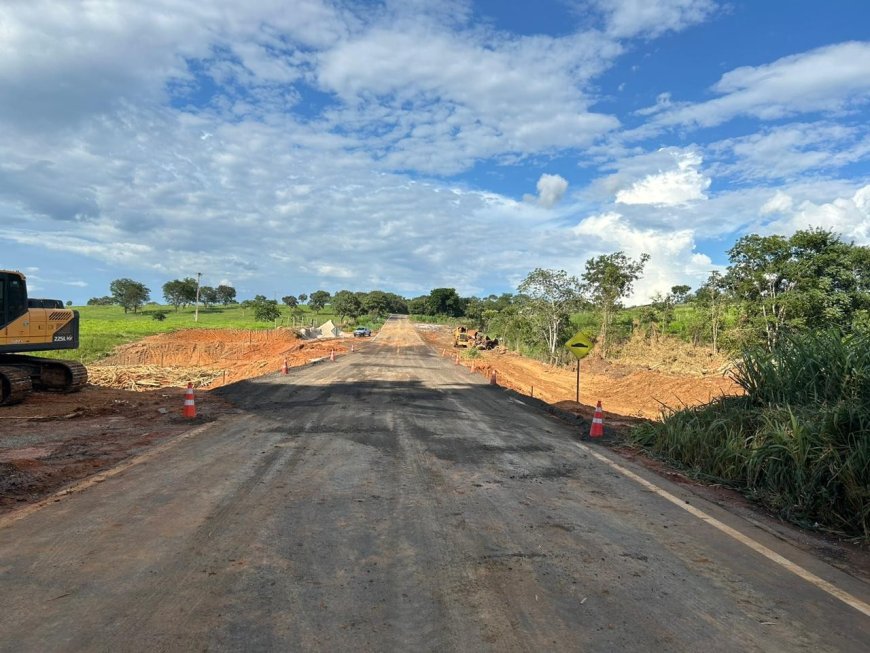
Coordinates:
column 28, row 325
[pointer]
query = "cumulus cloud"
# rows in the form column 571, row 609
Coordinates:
column 779, row 203
column 673, row 258
column 847, row 216
column 677, row 187
column 551, row 188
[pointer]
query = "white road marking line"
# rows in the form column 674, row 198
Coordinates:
column 822, row 584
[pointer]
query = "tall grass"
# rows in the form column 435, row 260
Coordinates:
column 798, row 441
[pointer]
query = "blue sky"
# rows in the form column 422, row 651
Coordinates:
column 284, row 147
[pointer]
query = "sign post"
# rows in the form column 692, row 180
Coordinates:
column 580, row 345
column 577, row 398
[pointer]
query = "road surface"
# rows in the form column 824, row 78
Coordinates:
column 391, row 500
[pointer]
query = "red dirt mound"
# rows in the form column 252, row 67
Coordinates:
column 216, row 357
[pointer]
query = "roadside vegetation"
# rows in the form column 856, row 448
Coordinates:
column 798, row 441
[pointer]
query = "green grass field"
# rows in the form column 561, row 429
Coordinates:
column 105, row 327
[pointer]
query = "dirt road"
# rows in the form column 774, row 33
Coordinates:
column 392, row 500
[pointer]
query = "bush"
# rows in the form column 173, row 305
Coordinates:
column 798, row 441
column 158, row 315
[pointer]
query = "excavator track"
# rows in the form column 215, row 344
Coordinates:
column 15, row 385
column 43, row 374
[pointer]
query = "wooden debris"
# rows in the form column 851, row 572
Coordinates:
column 149, row 377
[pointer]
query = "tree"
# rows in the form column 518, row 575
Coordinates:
column 832, row 279
column 180, row 293
column 318, row 299
column 346, row 304
column 208, row 296
column 662, row 310
column 711, row 298
column 376, row 302
column 396, row 304
column 609, row 279
column 680, row 293
column 265, row 310
column 303, row 298
column 549, row 296
column 106, row 300
column 226, row 294
column 759, row 277
column 419, row 305
column 129, row 294
column 809, row 280
column 290, row 300
column 445, row 301
column 69, row 303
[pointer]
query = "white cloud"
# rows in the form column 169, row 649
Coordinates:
column 832, row 79
column 673, row 259
column 847, row 216
column 551, row 188
column 627, row 18
column 436, row 101
column 676, row 187
column 788, row 151
column 779, row 203
column 289, row 149
column 663, row 102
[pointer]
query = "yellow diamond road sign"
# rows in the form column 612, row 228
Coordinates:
column 580, row 345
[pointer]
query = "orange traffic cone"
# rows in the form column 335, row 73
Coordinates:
column 285, row 369
column 332, row 355
column 351, row 348
column 597, row 429
column 492, row 379
column 457, row 359
column 189, row 402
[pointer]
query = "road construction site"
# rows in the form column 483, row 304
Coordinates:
column 391, row 499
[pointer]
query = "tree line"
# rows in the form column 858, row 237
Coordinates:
column 181, row 293
column 772, row 285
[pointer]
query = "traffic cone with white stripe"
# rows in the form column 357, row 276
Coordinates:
column 492, row 379
column 189, row 403
column 597, row 429
column 285, row 369
column 332, row 355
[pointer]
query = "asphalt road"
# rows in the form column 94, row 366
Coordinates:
column 393, row 501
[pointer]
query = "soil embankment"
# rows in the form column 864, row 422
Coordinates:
column 627, row 391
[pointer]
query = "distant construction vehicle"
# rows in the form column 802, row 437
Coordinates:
column 29, row 325
column 472, row 339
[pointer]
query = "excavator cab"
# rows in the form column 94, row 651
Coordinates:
column 35, row 325
column 13, row 298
